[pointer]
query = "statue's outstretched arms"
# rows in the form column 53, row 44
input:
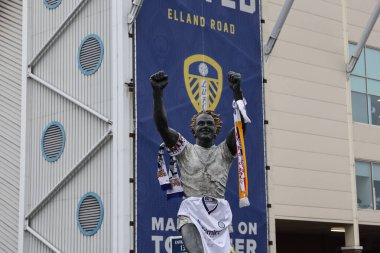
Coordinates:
column 159, row 81
column 234, row 80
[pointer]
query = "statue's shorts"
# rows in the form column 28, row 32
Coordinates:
column 212, row 217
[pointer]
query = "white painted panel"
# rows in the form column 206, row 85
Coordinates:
column 59, row 66
column 56, row 221
column 313, row 213
column 363, row 6
column 358, row 14
column 311, row 179
column 369, row 217
column 306, row 197
column 313, row 90
column 310, row 21
column 307, row 72
column 308, row 55
column 326, row 9
column 10, row 97
column 82, row 132
column 310, row 161
column 305, row 37
column 309, row 125
column 307, row 107
column 366, row 133
column 309, row 142
column 367, row 151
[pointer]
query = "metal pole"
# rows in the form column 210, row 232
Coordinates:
column 277, row 28
column 363, row 40
column 134, row 11
column 71, row 99
column 69, row 175
column 43, row 240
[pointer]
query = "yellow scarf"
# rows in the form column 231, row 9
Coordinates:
column 239, row 109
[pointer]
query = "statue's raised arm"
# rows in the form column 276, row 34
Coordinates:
column 234, row 80
column 159, row 81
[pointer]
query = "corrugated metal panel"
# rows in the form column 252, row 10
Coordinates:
column 56, row 221
column 10, row 108
column 59, row 65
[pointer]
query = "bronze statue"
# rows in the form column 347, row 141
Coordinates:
column 204, row 167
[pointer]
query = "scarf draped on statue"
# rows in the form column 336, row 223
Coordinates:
column 240, row 111
column 169, row 180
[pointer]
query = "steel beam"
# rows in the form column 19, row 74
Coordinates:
column 363, row 40
column 42, row 239
column 277, row 28
column 69, row 175
column 57, row 33
column 71, row 99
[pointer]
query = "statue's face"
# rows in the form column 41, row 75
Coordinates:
column 205, row 127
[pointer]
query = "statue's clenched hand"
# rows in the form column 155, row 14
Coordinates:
column 159, row 80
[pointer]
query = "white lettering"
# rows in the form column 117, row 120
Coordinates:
column 244, row 245
column 250, row 8
column 242, row 227
column 251, row 246
column 157, row 239
column 229, row 3
column 239, row 245
column 168, row 246
column 170, row 225
column 251, row 228
column 157, row 224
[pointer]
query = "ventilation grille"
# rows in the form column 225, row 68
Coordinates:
column 90, row 54
column 53, row 141
column 51, row 4
column 90, row 214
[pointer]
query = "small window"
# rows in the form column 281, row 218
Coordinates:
column 365, row 87
column 53, row 141
column 90, row 54
column 90, row 214
column 52, row 4
column 368, row 185
column 364, row 185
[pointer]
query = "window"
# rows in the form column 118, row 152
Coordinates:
column 368, row 185
column 365, row 87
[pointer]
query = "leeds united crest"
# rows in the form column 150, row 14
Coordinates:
column 204, row 81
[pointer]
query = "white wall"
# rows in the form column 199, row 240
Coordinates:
column 10, row 120
column 308, row 134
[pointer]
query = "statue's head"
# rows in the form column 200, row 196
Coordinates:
column 206, row 125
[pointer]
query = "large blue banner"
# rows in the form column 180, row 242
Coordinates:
column 196, row 42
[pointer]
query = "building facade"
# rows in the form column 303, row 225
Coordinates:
column 67, row 127
column 313, row 140
column 10, row 123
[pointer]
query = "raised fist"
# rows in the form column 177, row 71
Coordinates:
column 234, row 80
column 159, row 80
